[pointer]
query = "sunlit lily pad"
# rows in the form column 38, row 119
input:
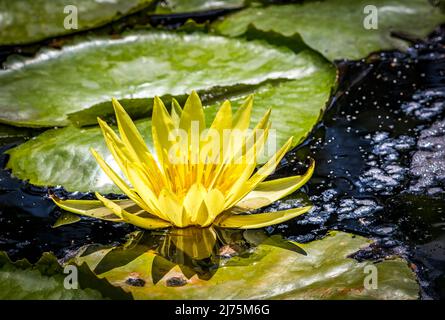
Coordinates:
column 43, row 91
column 182, row 6
column 62, row 156
column 335, row 28
column 24, row 21
column 322, row 269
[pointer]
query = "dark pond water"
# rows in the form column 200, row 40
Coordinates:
column 380, row 154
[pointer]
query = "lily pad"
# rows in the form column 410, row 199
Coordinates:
column 62, row 156
column 25, row 21
column 335, row 28
column 183, row 6
column 44, row 281
column 43, row 91
column 322, row 269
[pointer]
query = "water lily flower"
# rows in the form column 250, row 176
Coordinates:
column 196, row 184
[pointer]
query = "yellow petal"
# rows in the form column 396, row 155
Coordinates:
column 115, row 145
column 176, row 112
column 171, row 207
column 212, row 149
column 118, row 181
column 192, row 112
column 259, row 220
column 238, row 185
column 162, row 125
column 260, row 175
column 117, row 210
column 129, row 133
column 142, row 186
column 122, row 154
column 270, row 191
column 223, row 118
column 93, row 208
column 272, row 163
column 139, row 221
column 241, row 119
column 193, row 200
column 145, row 222
column 244, row 153
column 214, row 201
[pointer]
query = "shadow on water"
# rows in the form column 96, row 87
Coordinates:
column 386, row 113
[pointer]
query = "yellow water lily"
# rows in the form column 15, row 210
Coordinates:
column 191, row 182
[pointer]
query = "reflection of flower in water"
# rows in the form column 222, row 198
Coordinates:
column 196, row 251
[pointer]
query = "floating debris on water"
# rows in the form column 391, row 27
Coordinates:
column 426, row 104
column 385, row 172
column 428, row 162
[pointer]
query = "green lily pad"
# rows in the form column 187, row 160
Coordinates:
column 17, row 284
column 335, row 28
column 321, row 269
column 62, row 156
column 44, row 281
column 182, row 6
column 25, row 21
column 43, row 91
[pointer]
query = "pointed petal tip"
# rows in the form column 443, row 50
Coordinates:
column 102, row 124
column 114, row 102
column 53, row 197
column 118, row 108
column 157, row 103
column 290, row 140
column 99, row 196
column 194, row 96
column 93, row 152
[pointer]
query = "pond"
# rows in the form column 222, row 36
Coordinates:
column 378, row 189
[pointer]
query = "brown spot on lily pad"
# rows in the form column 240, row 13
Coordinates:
column 134, row 280
column 176, row 282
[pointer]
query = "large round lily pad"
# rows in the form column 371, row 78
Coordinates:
column 336, row 28
column 43, row 91
column 24, row 21
column 321, row 269
column 62, row 156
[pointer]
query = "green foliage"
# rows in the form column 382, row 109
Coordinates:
column 335, row 28
column 25, row 21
